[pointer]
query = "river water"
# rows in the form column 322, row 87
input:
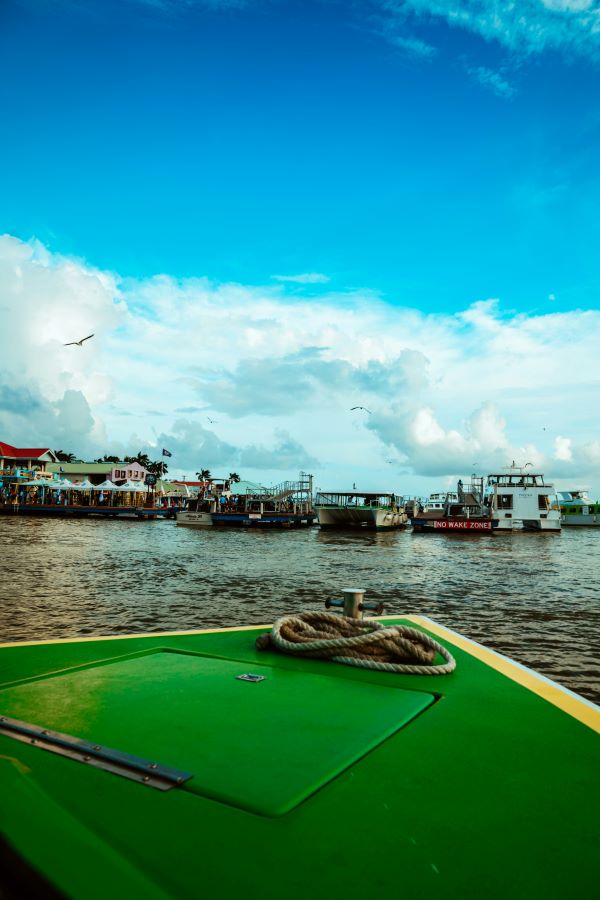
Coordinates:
column 535, row 598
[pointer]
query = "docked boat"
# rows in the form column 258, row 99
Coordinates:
column 463, row 511
column 288, row 505
column 521, row 501
column 509, row 501
column 576, row 508
column 356, row 509
column 438, row 500
column 170, row 765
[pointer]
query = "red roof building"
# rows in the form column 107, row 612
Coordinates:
column 25, row 457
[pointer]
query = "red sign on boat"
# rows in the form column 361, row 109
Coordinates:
column 463, row 524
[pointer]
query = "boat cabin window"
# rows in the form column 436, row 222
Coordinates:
column 505, row 501
column 543, row 501
column 518, row 480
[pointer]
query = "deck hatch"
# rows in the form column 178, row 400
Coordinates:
column 264, row 747
column 146, row 771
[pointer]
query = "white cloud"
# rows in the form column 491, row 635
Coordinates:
column 408, row 44
column 306, row 278
column 562, row 448
column 526, row 27
column 279, row 376
column 494, row 80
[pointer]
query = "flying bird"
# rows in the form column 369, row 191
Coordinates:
column 360, row 407
column 212, row 421
column 78, row 343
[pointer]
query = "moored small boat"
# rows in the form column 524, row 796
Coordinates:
column 357, row 509
column 576, row 508
column 288, row 505
column 438, row 500
column 464, row 511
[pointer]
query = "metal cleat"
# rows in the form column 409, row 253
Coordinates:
column 352, row 603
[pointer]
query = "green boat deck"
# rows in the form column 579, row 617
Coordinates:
column 320, row 780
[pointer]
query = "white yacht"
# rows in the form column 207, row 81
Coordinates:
column 510, row 501
column 521, row 501
column 439, row 500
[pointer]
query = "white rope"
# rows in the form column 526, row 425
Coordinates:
column 400, row 641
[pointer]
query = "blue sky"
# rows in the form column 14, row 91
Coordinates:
column 422, row 155
column 239, row 142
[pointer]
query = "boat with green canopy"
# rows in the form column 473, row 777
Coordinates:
column 185, row 764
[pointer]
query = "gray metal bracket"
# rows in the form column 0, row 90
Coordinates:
column 145, row 771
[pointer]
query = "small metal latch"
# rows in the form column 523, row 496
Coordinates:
column 248, row 676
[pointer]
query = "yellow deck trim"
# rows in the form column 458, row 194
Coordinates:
column 578, row 707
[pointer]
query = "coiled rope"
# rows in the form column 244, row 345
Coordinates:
column 366, row 643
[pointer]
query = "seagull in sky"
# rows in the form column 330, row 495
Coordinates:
column 360, row 407
column 78, row 343
column 212, row 421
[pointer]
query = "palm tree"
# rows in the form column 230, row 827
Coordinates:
column 234, row 477
column 142, row 458
column 158, row 468
column 203, row 475
column 64, row 457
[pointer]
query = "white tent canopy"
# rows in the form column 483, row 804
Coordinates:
column 132, row 486
column 40, row 482
column 81, row 486
column 106, row 486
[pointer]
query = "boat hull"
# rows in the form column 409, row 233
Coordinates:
column 245, row 520
column 264, row 520
column 59, row 511
column 580, row 519
column 194, row 519
column 530, row 525
column 369, row 518
column 448, row 524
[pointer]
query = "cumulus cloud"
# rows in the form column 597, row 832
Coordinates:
column 430, row 449
column 287, row 454
column 37, row 421
column 270, row 387
column 562, row 448
column 194, row 446
column 279, row 376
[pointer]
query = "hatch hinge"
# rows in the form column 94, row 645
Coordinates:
column 145, row 771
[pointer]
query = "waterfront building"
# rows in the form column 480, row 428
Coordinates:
column 24, row 461
column 97, row 472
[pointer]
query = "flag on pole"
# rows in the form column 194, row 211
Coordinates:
column 166, row 452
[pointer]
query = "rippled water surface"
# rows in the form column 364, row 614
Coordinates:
column 534, row 597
